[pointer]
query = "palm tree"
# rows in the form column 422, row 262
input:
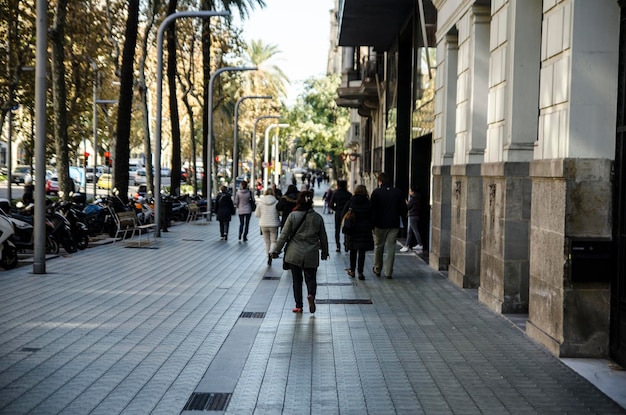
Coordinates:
column 269, row 79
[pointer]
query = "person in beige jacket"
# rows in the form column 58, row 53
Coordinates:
column 269, row 221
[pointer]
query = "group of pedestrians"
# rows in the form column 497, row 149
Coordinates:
column 376, row 223
column 289, row 223
column 243, row 205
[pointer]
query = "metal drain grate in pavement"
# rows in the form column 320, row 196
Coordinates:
column 343, row 301
column 252, row 314
column 30, row 349
column 193, row 240
column 267, row 278
column 141, row 247
column 335, row 284
column 207, row 401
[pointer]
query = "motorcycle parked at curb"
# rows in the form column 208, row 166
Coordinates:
column 23, row 236
column 8, row 251
column 76, row 220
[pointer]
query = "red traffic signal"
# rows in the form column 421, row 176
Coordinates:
column 86, row 154
column 107, row 159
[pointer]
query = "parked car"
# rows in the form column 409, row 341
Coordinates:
column 52, row 186
column 90, row 173
column 105, row 181
column 139, row 177
column 20, row 173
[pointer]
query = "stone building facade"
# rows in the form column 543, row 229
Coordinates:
column 524, row 144
column 525, row 180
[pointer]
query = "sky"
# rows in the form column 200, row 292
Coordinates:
column 300, row 29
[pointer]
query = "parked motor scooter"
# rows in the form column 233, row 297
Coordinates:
column 76, row 218
column 61, row 229
column 8, row 251
column 24, row 236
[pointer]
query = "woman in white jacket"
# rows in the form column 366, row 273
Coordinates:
column 268, row 221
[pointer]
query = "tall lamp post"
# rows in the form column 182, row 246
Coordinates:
column 159, row 111
column 39, row 259
column 208, row 170
column 266, row 158
column 252, row 176
column 236, row 141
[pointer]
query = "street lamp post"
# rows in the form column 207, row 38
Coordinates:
column 39, row 259
column 208, row 170
column 235, row 140
column 253, row 175
column 157, row 156
column 266, row 152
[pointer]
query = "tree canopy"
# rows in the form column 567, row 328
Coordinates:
column 89, row 64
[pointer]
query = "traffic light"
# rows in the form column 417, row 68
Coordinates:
column 86, row 156
column 107, row 159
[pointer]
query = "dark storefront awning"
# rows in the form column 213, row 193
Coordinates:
column 378, row 23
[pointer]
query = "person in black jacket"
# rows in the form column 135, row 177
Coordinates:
column 225, row 209
column 412, row 233
column 359, row 239
column 338, row 201
column 388, row 207
column 287, row 203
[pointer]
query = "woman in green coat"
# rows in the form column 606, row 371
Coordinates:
column 306, row 234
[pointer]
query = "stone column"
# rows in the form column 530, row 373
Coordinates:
column 443, row 151
column 505, row 237
column 571, row 200
column 465, row 232
column 439, row 256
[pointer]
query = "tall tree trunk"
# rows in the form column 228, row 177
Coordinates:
column 206, row 72
column 59, row 97
column 191, row 171
column 171, row 80
column 122, row 147
column 143, row 89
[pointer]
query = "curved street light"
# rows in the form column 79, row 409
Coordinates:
column 208, row 170
column 266, row 153
column 159, row 110
column 236, row 141
column 252, row 176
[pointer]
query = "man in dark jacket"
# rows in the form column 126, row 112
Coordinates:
column 337, row 202
column 388, row 207
column 287, row 203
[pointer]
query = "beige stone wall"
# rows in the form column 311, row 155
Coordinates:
column 570, row 199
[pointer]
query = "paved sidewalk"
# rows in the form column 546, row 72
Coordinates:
column 194, row 322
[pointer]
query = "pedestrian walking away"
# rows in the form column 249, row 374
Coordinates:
column 388, row 209
column 337, row 202
column 268, row 221
column 225, row 209
column 413, row 238
column 245, row 203
column 359, row 238
column 304, row 235
column 287, row 203
column 328, row 194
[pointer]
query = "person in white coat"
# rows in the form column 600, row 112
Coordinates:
column 269, row 221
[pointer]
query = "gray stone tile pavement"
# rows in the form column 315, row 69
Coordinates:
column 116, row 330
